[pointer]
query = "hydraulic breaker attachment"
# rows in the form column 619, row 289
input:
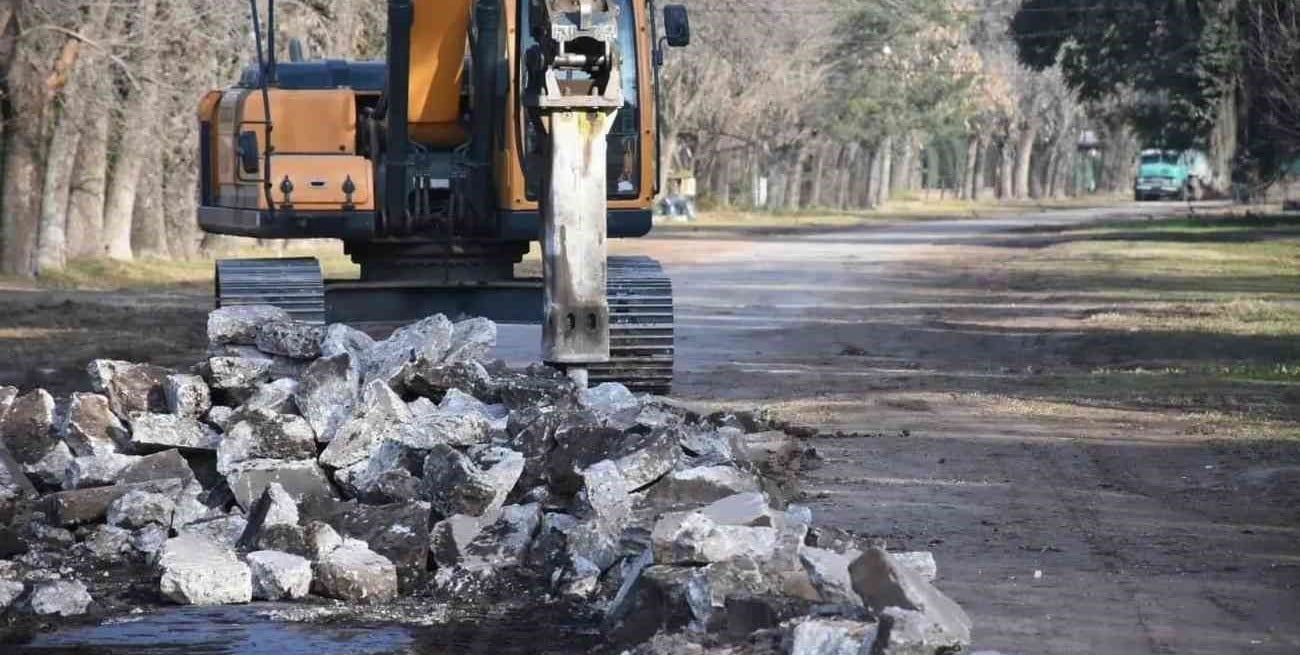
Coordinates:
column 573, row 94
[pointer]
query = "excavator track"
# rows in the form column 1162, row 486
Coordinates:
column 640, row 326
column 294, row 285
column 640, row 310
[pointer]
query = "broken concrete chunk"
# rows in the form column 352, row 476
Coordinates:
column 450, row 538
column 10, row 590
column 137, row 509
column 691, row 538
column 641, row 458
column 433, row 381
column 59, row 597
column 168, row 464
column 749, row 509
column 302, row 479
column 224, row 529
column 149, row 540
column 49, row 470
column 340, row 338
column 190, row 507
column 460, row 430
column 239, row 324
column 506, row 541
column 705, row 447
column 321, row 539
column 327, row 393
column 458, row 402
column 455, row 484
column 96, row 470
column 274, row 396
column 28, row 427
column 279, row 576
column 292, row 339
column 832, row 637
column 14, row 485
column 198, row 571
column 926, row 614
column 187, row 395
column 609, row 399
column 397, row 531
column 911, row 632
column 79, row 506
column 90, row 427
column 605, row 490
column 535, row 387
column 355, row 574
column 426, row 341
column 382, row 412
column 828, row 571
column 700, row 486
column 273, row 507
column 107, row 543
column 220, row 417
column 7, row 396
column 129, row 387
column 237, row 377
column 265, row 434
column 471, row 340
column 154, row 432
column 421, row 406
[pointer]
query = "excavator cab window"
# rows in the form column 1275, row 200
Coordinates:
column 624, row 141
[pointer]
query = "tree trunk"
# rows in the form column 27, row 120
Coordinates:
column 52, row 232
column 1024, row 156
column 843, row 175
column 818, row 171
column 900, row 179
column 19, row 205
column 1223, row 140
column 86, row 193
column 968, row 170
column 136, row 144
column 1036, row 174
column 981, row 168
column 723, row 189
column 886, row 171
column 794, row 187
column 1006, row 170
column 180, row 206
column 149, row 224
column 667, row 155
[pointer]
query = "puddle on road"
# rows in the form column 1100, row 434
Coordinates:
column 251, row 630
column 217, row 631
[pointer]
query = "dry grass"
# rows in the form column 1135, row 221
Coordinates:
column 899, row 210
column 102, row 274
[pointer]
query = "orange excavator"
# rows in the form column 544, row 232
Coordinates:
column 491, row 124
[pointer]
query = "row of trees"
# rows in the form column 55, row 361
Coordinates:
column 1221, row 75
column 97, row 135
column 821, row 103
column 845, row 103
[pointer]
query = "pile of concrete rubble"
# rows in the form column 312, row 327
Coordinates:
column 300, row 460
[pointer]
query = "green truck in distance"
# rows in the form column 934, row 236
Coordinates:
column 1162, row 174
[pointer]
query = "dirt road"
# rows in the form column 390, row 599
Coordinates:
column 1063, row 527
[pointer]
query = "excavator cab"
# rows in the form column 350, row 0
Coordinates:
column 439, row 167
